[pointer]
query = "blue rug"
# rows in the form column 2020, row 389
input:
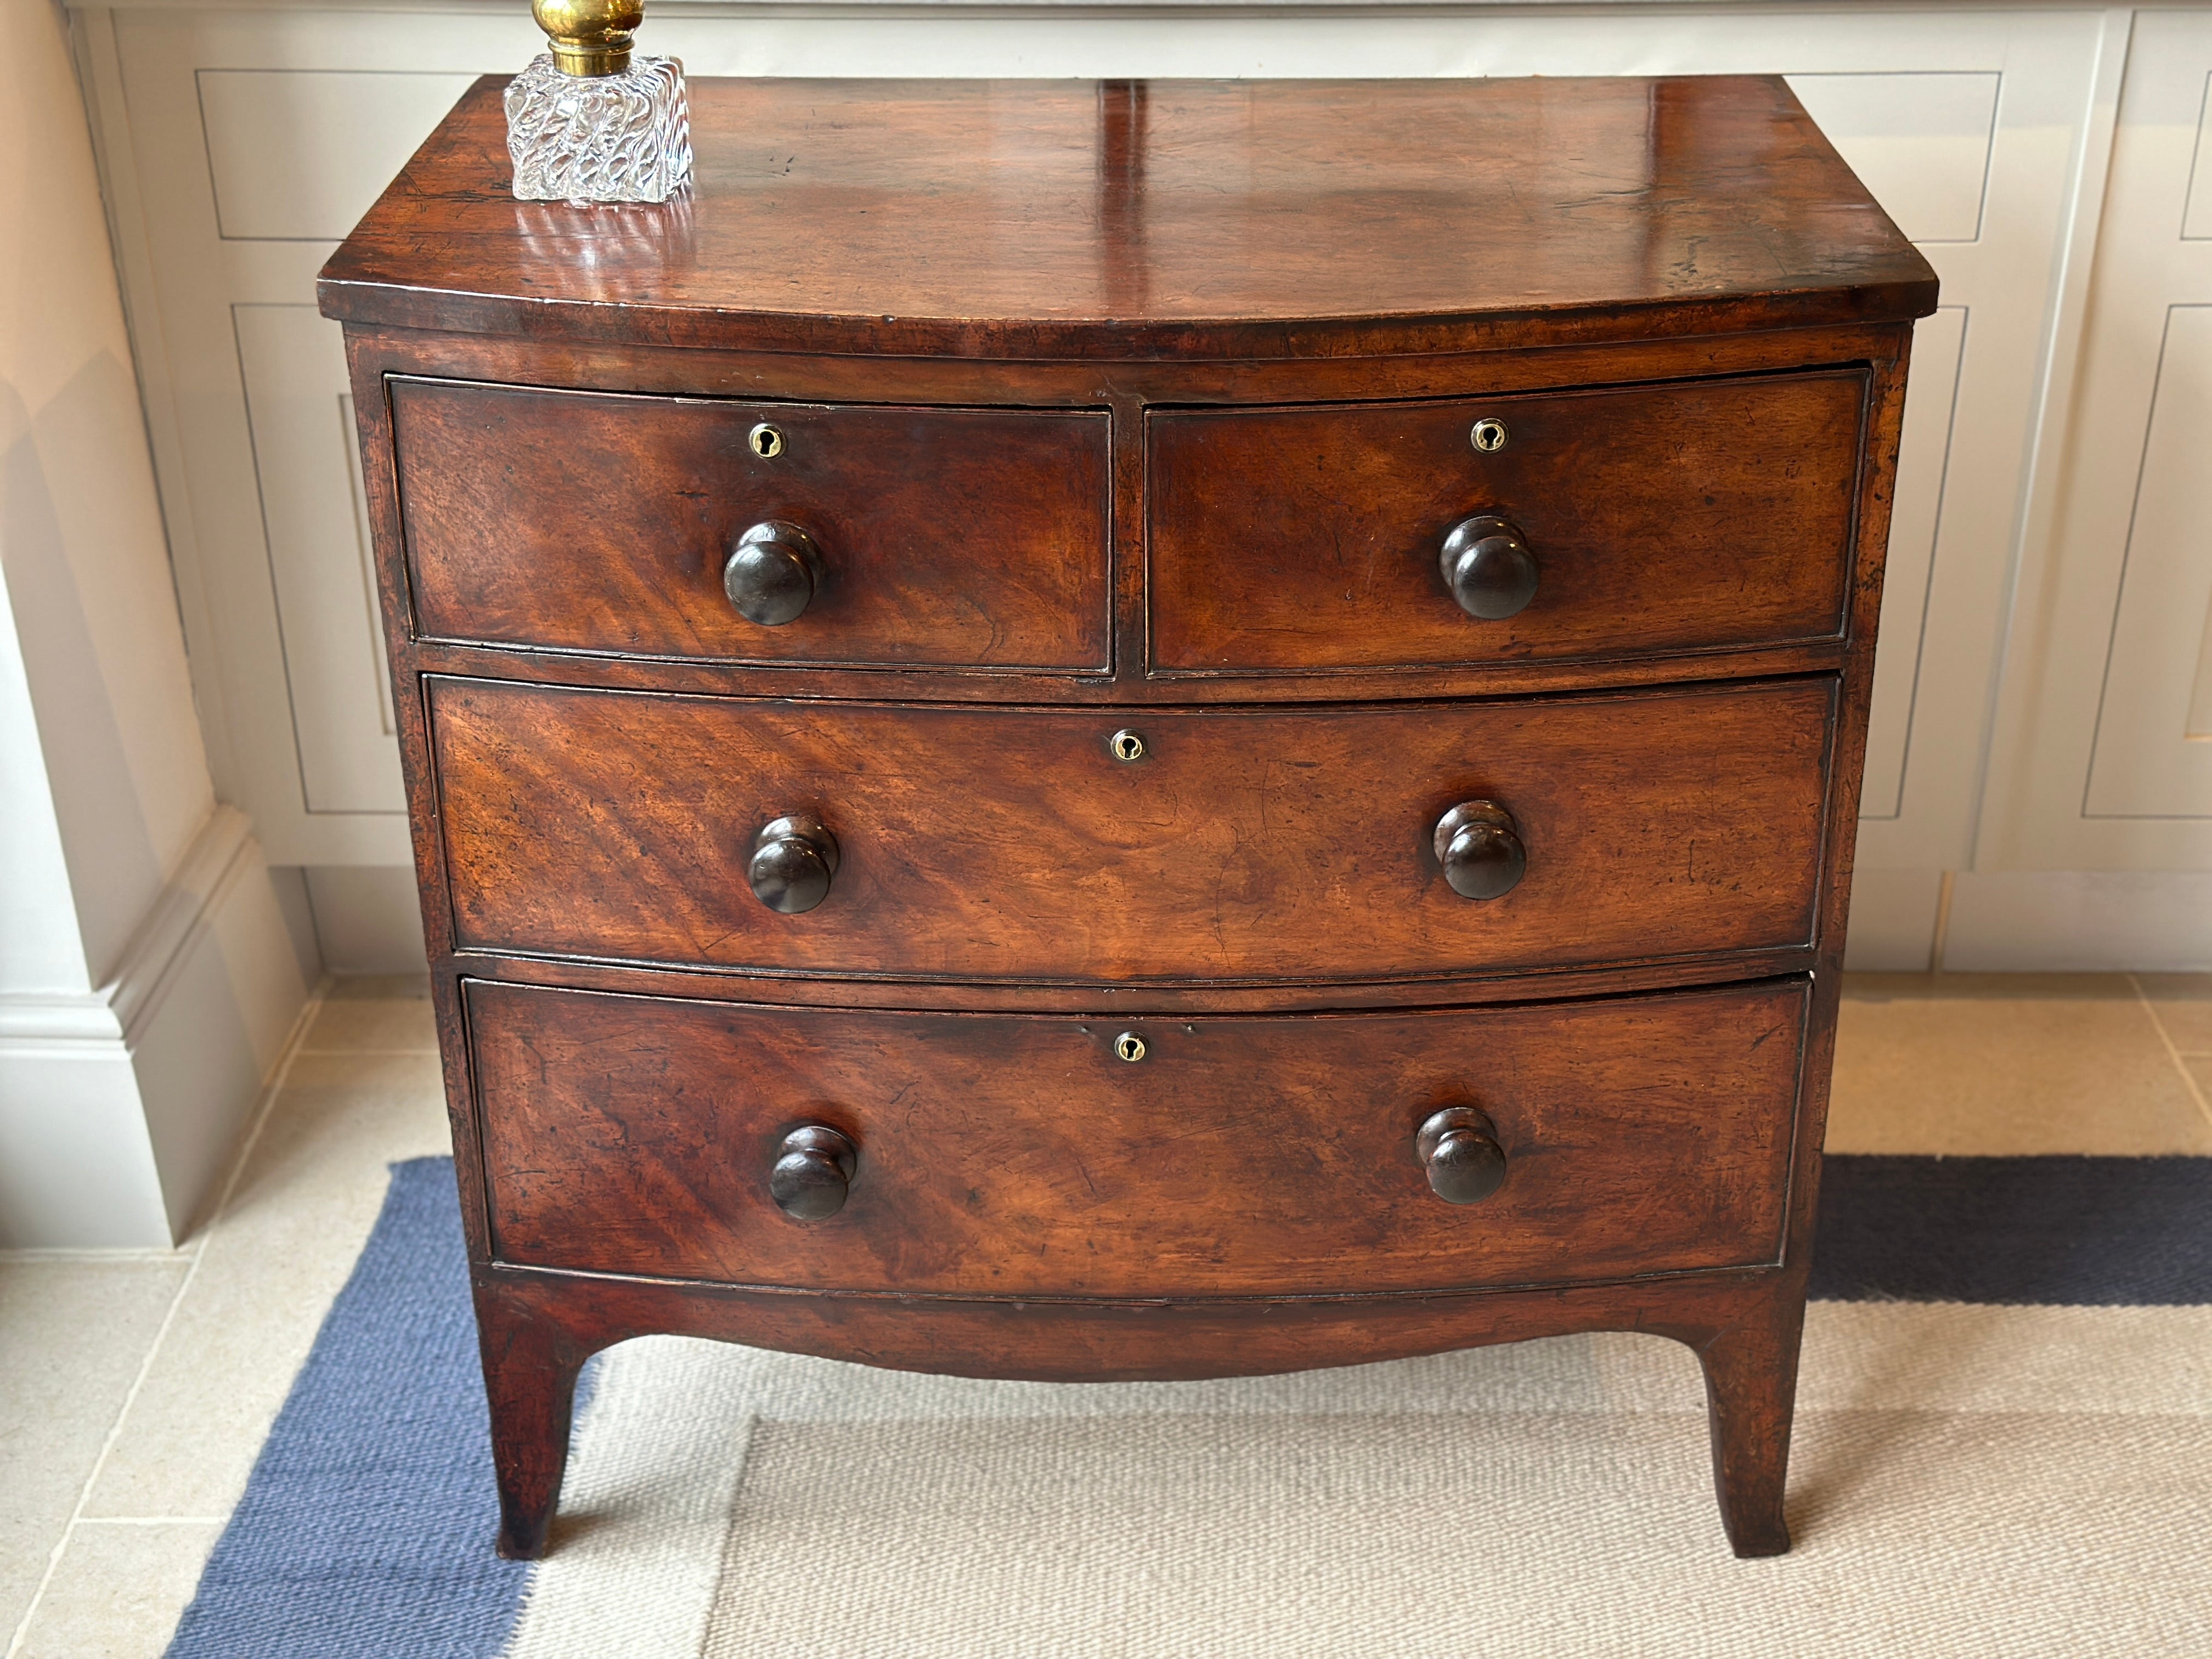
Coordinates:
column 365, row 1530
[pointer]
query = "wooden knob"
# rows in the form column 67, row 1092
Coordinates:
column 1459, row 1147
column 813, row 1172
column 1488, row 567
column 794, row 859
column 1479, row 846
column 772, row 573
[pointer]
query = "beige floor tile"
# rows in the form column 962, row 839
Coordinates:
column 2183, row 1003
column 73, row 1335
column 119, row 1590
column 271, row 1265
column 2200, row 1068
column 372, row 1025
column 2006, row 1063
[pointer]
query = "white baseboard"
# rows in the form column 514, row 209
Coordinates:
column 1893, row 927
column 120, row 1106
column 2079, row 921
column 2039, row 921
column 368, row 919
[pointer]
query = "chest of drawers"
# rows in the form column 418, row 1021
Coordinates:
column 1118, row 731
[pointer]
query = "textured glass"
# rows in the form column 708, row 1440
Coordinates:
column 623, row 137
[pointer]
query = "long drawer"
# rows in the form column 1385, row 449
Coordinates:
column 1695, row 516
column 1021, row 1156
column 605, row 523
column 1236, row 844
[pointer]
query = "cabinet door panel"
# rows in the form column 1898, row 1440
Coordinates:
column 306, row 463
column 2102, row 755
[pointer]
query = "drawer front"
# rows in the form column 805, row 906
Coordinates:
column 597, row 522
column 1662, row 518
column 1245, row 844
column 1017, row 1154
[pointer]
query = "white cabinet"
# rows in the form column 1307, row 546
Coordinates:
column 239, row 145
column 2103, row 757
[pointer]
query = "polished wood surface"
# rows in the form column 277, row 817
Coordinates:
column 794, row 859
column 1128, row 392
column 540, row 1327
column 752, row 902
column 1668, row 518
column 776, row 569
column 1460, row 1152
column 1486, row 559
column 1019, row 1155
column 1178, row 219
column 1245, row 845
column 812, row 1174
column 1477, row 845
column 605, row 524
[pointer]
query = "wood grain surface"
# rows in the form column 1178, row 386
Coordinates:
column 1190, row 218
column 589, row 522
column 539, row 1327
column 1669, row 518
column 1139, row 405
column 1018, row 1155
column 1247, row 844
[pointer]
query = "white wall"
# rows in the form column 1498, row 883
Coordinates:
column 146, row 979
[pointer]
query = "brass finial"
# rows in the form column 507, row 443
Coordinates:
column 589, row 36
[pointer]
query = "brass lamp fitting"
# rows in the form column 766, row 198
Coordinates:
column 589, row 36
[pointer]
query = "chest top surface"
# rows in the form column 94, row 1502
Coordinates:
column 1158, row 220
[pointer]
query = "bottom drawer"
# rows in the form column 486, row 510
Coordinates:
column 1019, row 1155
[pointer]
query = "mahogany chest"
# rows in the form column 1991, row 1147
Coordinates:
column 1139, row 729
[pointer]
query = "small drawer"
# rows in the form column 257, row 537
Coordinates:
column 1698, row 516
column 1020, row 1155
column 895, row 537
column 1024, row 843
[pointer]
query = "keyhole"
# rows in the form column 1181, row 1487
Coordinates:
column 1127, row 746
column 1130, row 1047
column 1488, row 436
column 767, row 441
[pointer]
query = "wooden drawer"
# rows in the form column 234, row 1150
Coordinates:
column 1017, row 1154
column 597, row 522
column 1247, row 844
column 1696, row 516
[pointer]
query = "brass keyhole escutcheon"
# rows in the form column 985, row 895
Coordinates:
column 1488, row 435
column 1127, row 746
column 766, row 440
column 1130, row 1047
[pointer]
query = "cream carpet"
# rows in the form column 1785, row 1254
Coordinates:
column 1968, row 1480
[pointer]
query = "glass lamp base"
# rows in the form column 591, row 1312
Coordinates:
column 623, row 137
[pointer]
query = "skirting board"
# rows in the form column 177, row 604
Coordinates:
column 1893, row 927
column 119, row 1108
column 2039, row 921
column 2079, row 921
column 367, row 919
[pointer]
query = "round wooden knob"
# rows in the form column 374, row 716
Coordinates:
column 772, row 573
column 1479, row 846
column 1488, row 567
column 794, row 859
column 1459, row 1148
column 812, row 1173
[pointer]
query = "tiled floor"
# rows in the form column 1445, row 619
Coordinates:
column 135, row 1390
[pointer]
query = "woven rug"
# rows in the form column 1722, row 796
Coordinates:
column 2004, row 1447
